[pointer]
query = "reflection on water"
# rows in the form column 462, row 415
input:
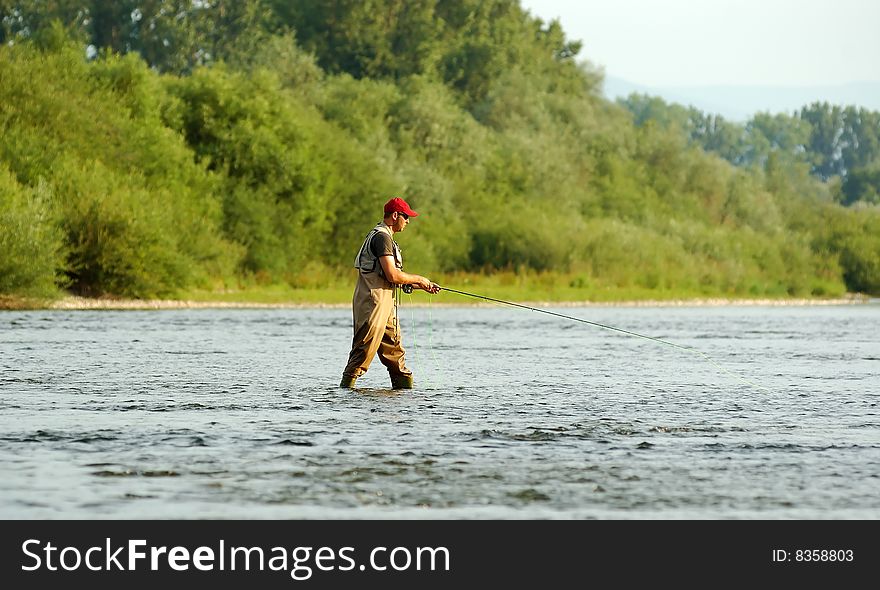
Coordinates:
column 235, row 413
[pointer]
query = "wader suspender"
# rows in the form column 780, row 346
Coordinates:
column 366, row 252
column 396, row 303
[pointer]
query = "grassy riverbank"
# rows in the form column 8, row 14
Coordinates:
column 549, row 288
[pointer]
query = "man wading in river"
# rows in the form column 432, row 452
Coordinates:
column 380, row 274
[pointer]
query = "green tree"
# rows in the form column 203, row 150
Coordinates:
column 862, row 185
column 172, row 35
column 375, row 39
column 782, row 135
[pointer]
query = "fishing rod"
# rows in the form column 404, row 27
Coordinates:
column 606, row 327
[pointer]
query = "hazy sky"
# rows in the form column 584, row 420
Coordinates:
column 721, row 42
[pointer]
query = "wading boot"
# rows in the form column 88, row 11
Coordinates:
column 348, row 381
column 401, row 381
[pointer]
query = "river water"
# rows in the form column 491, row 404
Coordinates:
column 235, row 413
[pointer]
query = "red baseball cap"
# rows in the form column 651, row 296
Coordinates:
column 399, row 205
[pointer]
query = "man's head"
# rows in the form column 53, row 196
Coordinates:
column 397, row 214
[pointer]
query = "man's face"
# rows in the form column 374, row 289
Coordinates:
column 400, row 222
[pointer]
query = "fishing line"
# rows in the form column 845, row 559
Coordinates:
column 417, row 349
column 412, row 319
column 431, row 341
column 606, row 327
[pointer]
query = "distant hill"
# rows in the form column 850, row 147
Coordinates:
column 739, row 103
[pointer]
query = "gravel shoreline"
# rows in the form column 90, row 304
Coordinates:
column 84, row 303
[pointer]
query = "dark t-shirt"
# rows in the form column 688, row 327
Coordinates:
column 382, row 245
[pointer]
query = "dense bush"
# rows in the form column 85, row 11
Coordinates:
column 138, row 215
column 30, row 240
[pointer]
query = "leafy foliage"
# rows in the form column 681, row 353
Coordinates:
column 138, row 215
column 30, row 240
column 204, row 144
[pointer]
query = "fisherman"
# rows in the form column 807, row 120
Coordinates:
column 374, row 304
